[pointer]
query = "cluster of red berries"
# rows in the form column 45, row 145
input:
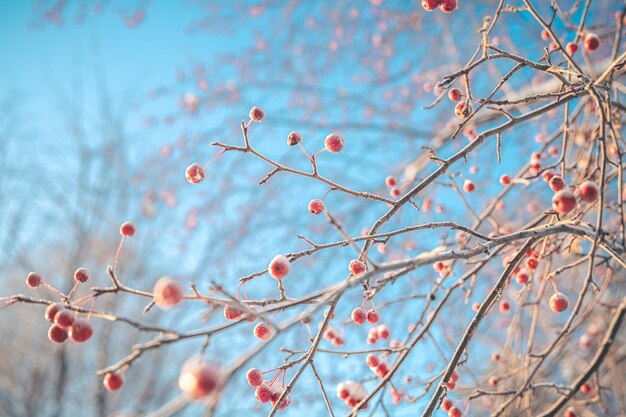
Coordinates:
column 267, row 391
column 446, row 6
column 564, row 201
column 65, row 324
column 333, row 336
column 448, row 406
column 376, row 333
column 590, row 43
column 377, row 364
column 352, row 393
column 359, row 316
column 391, row 183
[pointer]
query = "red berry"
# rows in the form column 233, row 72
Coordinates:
column 545, row 35
column 80, row 331
column 33, row 280
column 359, row 316
column 430, row 5
column 51, row 311
column 592, row 42
column 113, row 381
column 167, row 293
column 372, row 360
column 462, row 110
column 448, row 6
column 563, row 202
column 127, row 229
column 199, row 378
column 254, row 377
column 505, row 179
column 64, row 318
column 505, row 306
column 571, row 48
column 454, row 377
column 455, row 412
column 469, row 186
column 279, row 267
column 589, row 191
column 294, row 138
column 263, row 393
column 231, row 313
column 262, row 331
column 390, row 181
column 547, row 176
column 559, row 302
column 556, row 183
column 495, row 357
column 257, row 114
column 195, row 173
column 455, row 94
column 394, row 192
column 570, row 412
column 57, row 334
column 373, row 316
column 585, row 388
column 522, row 277
column 383, row 331
column 357, row 267
column 333, row 143
column 316, row 206
column 82, row 275
column 532, row 263
column 446, row 404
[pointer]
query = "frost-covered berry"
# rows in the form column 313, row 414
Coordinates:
column 559, row 302
column 455, row 412
column 357, row 267
column 82, row 275
column 592, row 42
column 390, row 181
column 373, row 316
column 446, row 404
column 469, row 186
column 262, row 331
column 232, row 313
column 505, row 179
column 167, row 293
column 33, row 280
column 383, row 331
column 556, row 183
column 294, row 138
column 372, row 360
column 279, row 267
column 563, row 202
column 462, row 110
column 57, row 334
column 113, row 381
column 127, row 229
column 454, row 94
column 199, row 378
column 333, row 143
column 359, row 316
column 195, row 173
column 64, row 318
column 316, row 206
column 448, row 6
column 430, row 5
column 80, row 331
column 571, row 48
column 589, row 191
column 263, row 393
column 254, row 377
column 51, row 311
column 257, row 114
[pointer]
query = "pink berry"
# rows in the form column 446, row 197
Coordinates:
column 532, row 263
column 383, row 331
column 592, row 42
column 195, row 173
column 231, row 313
column 81, row 275
column 373, row 316
column 571, row 48
column 51, row 312
column 545, row 35
column 263, row 393
column 199, row 378
column 316, row 206
column 113, row 381
column 57, row 334
column 394, row 192
column 455, row 94
column 167, row 293
column 559, row 302
column 448, row 6
column 556, row 183
column 430, row 5
column 505, row 306
column 333, row 143
column 563, row 202
column 462, row 110
column 522, row 277
column 469, row 186
column 64, row 318
column 589, row 191
column 390, row 181
column 80, row 331
column 372, row 360
column 257, row 114
column 357, row 267
column 127, row 229
column 33, row 280
column 455, row 412
column 446, row 404
column 505, row 179
column 279, row 267
column 294, row 138
column 570, row 412
column 495, row 357
column 254, row 377
column 359, row 316
column 262, row 331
